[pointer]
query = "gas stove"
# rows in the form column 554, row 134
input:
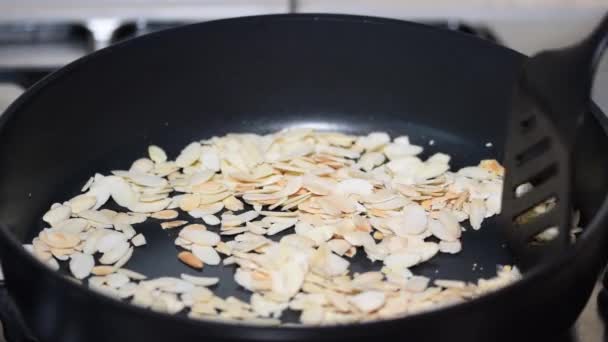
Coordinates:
column 29, row 51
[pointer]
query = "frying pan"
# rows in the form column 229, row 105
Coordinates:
column 261, row 74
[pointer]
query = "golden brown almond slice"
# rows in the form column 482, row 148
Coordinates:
column 103, row 270
column 190, row 260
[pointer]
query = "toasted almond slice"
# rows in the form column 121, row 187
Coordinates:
column 103, row 270
column 190, row 260
column 59, row 239
column 173, row 224
column 165, row 215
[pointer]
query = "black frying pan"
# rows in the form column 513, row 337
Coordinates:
column 261, row 74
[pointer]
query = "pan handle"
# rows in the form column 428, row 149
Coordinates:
column 13, row 326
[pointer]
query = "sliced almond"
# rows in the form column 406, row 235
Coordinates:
column 190, row 260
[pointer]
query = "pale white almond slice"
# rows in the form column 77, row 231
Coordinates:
column 199, row 236
column 109, row 241
column 52, row 264
column 210, row 158
column 211, row 220
column 138, row 240
column 475, row 172
column 395, row 203
column 96, row 217
column 450, row 284
column 90, row 245
column 401, row 260
column 451, row 228
column 131, row 274
column 339, row 246
column 113, row 255
column 417, row 284
column 122, row 193
column 117, row 280
column 373, row 141
column 81, row 265
column 200, row 177
column 157, row 154
column 277, row 227
column 73, row 226
column 317, row 185
column 189, row 155
column 208, row 209
column 477, row 213
column 412, row 222
column 142, row 165
column 127, row 290
column 173, row 224
column 265, row 307
column 200, row 281
column 430, row 170
column 143, row 179
column 57, row 215
column 87, row 185
column 355, row 186
column 358, row 238
column 368, row 301
column 81, row 203
column 206, row 254
column 124, row 259
column 126, row 229
column 451, row 247
column 165, row 215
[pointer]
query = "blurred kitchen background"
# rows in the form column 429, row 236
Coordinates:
column 39, row 36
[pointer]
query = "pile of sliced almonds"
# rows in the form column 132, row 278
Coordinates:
column 314, row 199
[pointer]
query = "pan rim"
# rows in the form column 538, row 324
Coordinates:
column 283, row 332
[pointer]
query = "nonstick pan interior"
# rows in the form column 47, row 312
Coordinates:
column 257, row 76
